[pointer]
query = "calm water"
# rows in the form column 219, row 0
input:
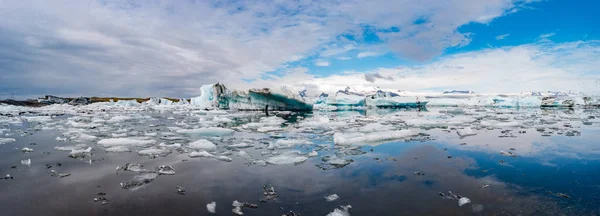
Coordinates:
column 381, row 179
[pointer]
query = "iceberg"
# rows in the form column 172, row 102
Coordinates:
column 110, row 142
column 217, row 96
column 361, row 138
column 347, row 99
column 384, row 99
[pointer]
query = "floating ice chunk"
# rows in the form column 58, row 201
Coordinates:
column 26, row 150
column 210, row 131
column 421, row 122
column 465, row 132
column 463, row 201
column 260, row 162
column 116, row 119
column 76, row 153
column 62, row 139
column 313, row 154
column 117, row 149
column 291, row 157
column 332, row 197
column 361, row 138
column 341, row 211
column 237, row 208
column 374, row 127
column 26, row 162
column 211, row 207
column 150, row 134
column 165, row 170
column 125, row 142
column 269, row 129
column 202, row 144
column 224, row 158
column 70, row 148
column 7, row 140
column 118, row 134
column 54, row 173
column 240, row 145
column 201, row 154
column 510, row 154
column 291, row 142
column 154, row 151
column 175, row 145
column 139, row 180
column 500, row 124
column 84, row 125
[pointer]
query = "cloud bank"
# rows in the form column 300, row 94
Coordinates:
column 170, row 48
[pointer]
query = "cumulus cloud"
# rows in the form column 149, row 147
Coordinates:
column 170, row 48
column 570, row 66
column 373, row 76
column 500, row 37
column 367, row 54
column 321, row 63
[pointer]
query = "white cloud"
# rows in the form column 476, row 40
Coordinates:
column 547, row 35
column 367, row 54
column 170, row 48
column 344, row 58
column 531, row 67
column 321, row 63
column 500, row 37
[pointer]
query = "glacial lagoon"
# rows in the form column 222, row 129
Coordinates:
column 175, row 160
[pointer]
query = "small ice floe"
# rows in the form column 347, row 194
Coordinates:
column 165, row 170
column 154, row 151
column 361, row 138
column 26, row 162
column 341, row 211
column 117, row 149
column 202, row 144
column 210, row 131
column 268, row 129
column 332, row 197
column 110, row 142
column 26, row 150
column 7, row 140
column 563, row 195
column 180, row 190
column 139, row 180
column 463, row 201
column 465, row 132
column 291, row 213
column 61, row 139
column 268, row 193
column 510, row 154
column 80, row 153
column 101, row 197
column 484, row 186
column 290, row 157
column 312, row 154
column 132, row 167
column 237, row 207
column 211, row 207
column 333, row 162
column 8, row 176
column 54, row 173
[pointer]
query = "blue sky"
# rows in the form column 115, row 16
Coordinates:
column 171, row 48
column 560, row 20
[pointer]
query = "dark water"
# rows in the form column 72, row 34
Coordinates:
column 524, row 185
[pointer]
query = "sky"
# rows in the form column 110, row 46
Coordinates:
column 169, row 48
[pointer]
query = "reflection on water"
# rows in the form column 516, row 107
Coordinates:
column 553, row 169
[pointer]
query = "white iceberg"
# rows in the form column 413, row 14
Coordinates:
column 362, row 138
column 125, row 142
